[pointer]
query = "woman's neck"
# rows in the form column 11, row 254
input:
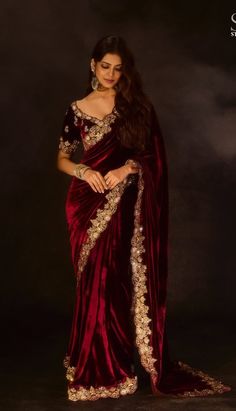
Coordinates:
column 105, row 92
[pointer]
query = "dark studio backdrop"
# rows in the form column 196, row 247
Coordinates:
column 186, row 56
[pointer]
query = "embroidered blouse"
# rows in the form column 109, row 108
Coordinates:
column 80, row 127
column 70, row 134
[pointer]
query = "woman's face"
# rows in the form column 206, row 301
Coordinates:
column 108, row 70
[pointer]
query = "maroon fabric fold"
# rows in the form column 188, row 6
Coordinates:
column 119, row 243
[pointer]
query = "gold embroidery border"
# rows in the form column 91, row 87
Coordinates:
column 217, row 387
column 100, row 223
column 66, row 146
column 139, row 307
column 128, row 386
column 99, row 128
column 70, row 371
column 99, row 121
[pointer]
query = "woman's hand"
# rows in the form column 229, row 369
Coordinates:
column 95, row 180
column 113, row 177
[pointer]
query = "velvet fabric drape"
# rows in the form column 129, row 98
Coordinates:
column 119, row 243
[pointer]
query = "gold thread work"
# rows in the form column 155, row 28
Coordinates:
column 70, row 373
column 216, row 386
column 101, row 127
column 128, row 386
column 139, row 307
column 68, row 147
column 100, row 222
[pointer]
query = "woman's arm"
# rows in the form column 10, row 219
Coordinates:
column 92, row 177
column 132, row 166
column 65, row 164
column 113, row 177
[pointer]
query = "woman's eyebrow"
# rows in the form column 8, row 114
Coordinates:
column 103, row 61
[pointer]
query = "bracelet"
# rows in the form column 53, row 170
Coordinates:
column 80, row 170
column 132, row 162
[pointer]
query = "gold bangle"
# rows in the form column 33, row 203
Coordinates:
column 132, row 163
column 79, row 170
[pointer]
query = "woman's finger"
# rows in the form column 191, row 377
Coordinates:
column 93, row 187
column 113, row 185
column 102, row 181
column 96, row 183
column 107, row 177
column 109, row 182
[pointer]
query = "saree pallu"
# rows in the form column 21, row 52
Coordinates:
column 119, row 244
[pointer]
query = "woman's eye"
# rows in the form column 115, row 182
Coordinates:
column 106, row 67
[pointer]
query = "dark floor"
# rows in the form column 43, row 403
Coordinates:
column 33, row 376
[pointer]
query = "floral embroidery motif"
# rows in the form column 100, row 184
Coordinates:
column 100, row 222
column 128, row 386
column 215, row 385
column 70, row 373
column 139, row 307
column 68, row 147
column 101, row 127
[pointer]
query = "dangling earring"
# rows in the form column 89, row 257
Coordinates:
column 94, row 81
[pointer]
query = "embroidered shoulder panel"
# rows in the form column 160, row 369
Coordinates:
column 70, row 135
column 68, row 147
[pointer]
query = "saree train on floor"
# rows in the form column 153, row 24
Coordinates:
column 119, row 243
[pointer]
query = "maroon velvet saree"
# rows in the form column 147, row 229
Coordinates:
column 119, row 243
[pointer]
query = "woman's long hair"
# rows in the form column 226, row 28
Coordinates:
column 134, row 107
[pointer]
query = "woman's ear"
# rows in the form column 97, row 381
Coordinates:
column 92, row 64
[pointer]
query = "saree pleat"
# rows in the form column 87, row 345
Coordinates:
column 101, row 344
column 119, row 245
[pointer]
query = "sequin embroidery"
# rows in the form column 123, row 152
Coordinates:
column 100, row 127
column 100, row 222
column 70, row 373
column 139, row 307
column 68, row 147
column 128, row 386
column 216, row 386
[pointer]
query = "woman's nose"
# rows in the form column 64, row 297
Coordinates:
column 111, row 72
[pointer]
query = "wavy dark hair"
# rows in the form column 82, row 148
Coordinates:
column 134, row 107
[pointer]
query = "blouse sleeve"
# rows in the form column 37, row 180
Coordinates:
column 70, row 133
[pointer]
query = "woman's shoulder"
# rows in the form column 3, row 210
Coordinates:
column 83, row 103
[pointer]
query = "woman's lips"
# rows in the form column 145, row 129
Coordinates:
column 109, row 81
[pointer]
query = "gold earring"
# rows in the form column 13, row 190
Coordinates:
column 94, row 81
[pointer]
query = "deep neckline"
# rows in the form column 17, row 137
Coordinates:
column 90, row 117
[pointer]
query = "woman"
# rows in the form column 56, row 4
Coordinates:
column 117, row 215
